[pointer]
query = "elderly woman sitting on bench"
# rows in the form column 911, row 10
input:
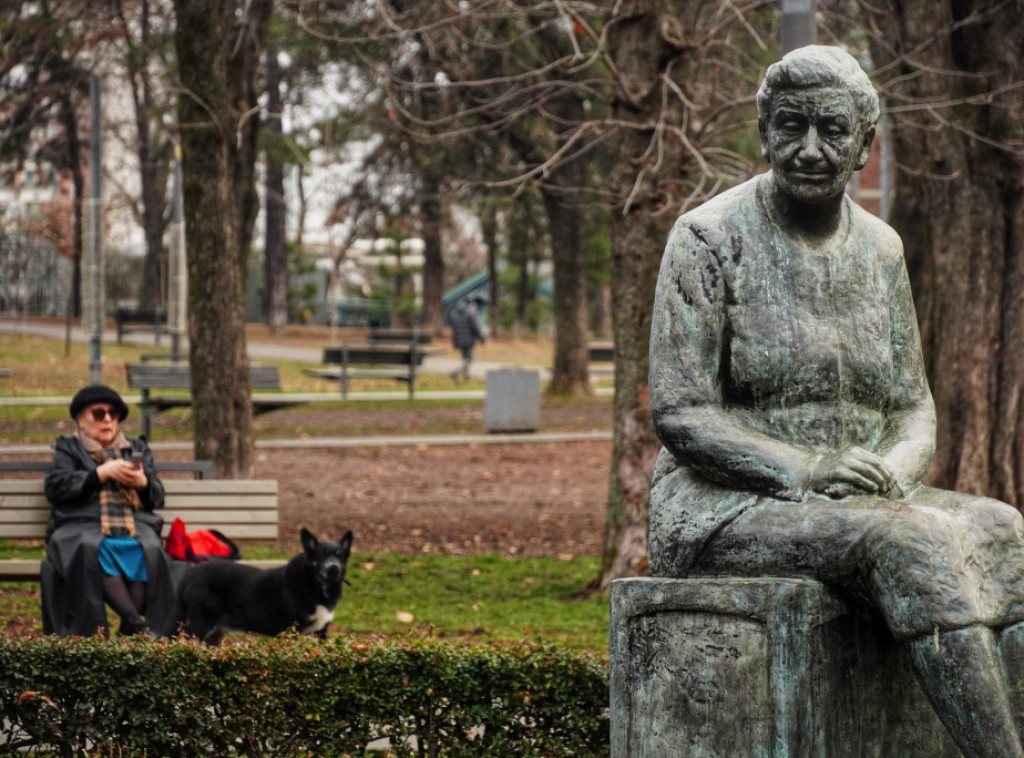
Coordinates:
column 103, row 541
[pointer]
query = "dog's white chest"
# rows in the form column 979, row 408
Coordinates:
column 321, row 617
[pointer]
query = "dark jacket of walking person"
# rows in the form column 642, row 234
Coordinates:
column 466, row 333
column 103, row 541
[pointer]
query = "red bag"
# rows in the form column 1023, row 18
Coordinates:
column 198, row 545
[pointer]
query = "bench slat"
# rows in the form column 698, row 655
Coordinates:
column 361, row 373
column 39, row 513
column 32, row 514
column 19, row 568
column 178, row 376
column 23, row 532
column 185, row 487
column 375, row 355
column 225, row 486
column 204, row 469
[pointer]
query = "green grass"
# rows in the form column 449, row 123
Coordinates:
column 487, row 597
column 42, row 367
column 483, row 598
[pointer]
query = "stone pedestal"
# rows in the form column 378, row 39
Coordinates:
column 767, row 668
column 512, row 402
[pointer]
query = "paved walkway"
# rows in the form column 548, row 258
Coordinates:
column 260, row 351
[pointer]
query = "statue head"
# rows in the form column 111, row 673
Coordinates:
column 819, row 66
column 819, row 97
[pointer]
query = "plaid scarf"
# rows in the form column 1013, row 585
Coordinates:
column 118, row 502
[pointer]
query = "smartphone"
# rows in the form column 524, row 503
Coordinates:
column 137, row 459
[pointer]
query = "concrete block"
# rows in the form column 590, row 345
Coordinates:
column 512, row 402
column 765, row 667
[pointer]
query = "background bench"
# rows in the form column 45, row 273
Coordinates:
column 148, row 375
column 244, row 510
column 140, row 319
column 372, row 361
column 601, row 351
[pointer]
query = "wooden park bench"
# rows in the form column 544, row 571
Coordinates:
column 602, row 351
column 372, row 361
column 380, row 335
column 244, row 510
column 601, row 358
column 149, row 375
column 139, row 319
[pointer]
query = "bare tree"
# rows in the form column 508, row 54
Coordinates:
column 504, row 89
column 685, row 74
column 659, row 88
column 44, row 77
column 146, row 70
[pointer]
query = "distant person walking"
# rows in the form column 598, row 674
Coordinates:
column 465, row 334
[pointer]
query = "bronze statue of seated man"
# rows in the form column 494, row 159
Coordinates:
column 789, row 392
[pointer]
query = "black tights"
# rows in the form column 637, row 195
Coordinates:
column 128, row 599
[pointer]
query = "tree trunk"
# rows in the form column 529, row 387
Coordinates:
column 566, row 229
column 215, row 43
column 640, row 226
column 963, row 180
column 275, row 252
column 489, row 230
column 248, row 40
column 432, row 214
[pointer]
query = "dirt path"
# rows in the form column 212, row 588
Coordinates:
column 521, row 499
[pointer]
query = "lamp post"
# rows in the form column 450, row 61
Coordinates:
column 93, row 279
column 177, row 274
column 798, row 27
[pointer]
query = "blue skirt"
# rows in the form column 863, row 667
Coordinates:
column 123, row 556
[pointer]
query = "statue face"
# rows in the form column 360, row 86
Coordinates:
column 814, row 141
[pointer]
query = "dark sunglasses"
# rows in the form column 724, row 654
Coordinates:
column 98, row 414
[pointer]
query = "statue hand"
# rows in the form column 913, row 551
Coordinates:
column 848, row 471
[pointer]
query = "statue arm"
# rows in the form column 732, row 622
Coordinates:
column 687, row 403
column 908, row 443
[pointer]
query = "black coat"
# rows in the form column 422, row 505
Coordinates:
column 70, row 575
column 465, row 327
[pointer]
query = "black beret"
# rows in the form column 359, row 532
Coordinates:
column 98, row 393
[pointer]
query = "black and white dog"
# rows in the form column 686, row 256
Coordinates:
column 218, row 597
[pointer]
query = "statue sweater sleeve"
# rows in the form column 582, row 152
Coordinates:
column 686, row 354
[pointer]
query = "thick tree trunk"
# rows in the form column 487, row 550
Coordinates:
column 217, row 119
column 565, row 223
column 275, row 252
column 432, row 318
column 154, row 186
column 963, row 182
column 637, row 244
column 641, row 195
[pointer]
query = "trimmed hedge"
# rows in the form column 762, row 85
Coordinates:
column 295, row 696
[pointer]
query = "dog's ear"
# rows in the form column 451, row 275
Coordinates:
column 345, row 543
column 309, row 542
